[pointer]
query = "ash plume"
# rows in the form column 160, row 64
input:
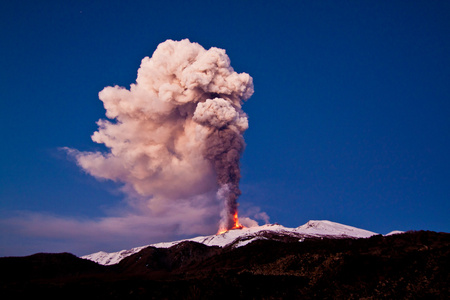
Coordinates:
column 176, row 136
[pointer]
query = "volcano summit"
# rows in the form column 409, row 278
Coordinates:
column 240, row 237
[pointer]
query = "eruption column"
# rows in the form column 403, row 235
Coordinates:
column 180, row 125
column 224, row 146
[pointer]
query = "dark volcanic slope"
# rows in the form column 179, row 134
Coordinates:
column 414, row 265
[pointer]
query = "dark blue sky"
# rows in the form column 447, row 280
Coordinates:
column 350, row 120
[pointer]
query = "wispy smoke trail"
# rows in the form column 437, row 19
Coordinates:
column 176, row 134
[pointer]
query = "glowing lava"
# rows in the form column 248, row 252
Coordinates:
column 236, row 225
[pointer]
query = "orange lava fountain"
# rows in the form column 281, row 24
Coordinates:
column 236, row 225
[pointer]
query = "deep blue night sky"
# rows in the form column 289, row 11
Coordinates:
column 349, row 122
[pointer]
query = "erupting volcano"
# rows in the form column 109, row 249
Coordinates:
column 236, row 225
column 177, row 135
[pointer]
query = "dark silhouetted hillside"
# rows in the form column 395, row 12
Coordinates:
column 413, row 265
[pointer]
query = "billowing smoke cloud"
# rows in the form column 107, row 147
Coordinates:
column 175, row 136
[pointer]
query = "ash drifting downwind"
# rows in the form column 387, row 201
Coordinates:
column 175, row 137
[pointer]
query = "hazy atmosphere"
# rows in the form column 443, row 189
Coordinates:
column 130, row 123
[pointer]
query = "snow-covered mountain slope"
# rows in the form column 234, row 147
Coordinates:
column 332, row 229
column 241, row 237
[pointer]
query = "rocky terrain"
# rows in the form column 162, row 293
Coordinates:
column 411, row 265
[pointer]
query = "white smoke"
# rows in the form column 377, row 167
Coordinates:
column 175, row 137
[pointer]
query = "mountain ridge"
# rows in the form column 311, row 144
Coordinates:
column 241, row 237
column 411, row 265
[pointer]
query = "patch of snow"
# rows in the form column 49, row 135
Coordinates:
column 394, row 232
column 246, row 242
column 104, row 258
